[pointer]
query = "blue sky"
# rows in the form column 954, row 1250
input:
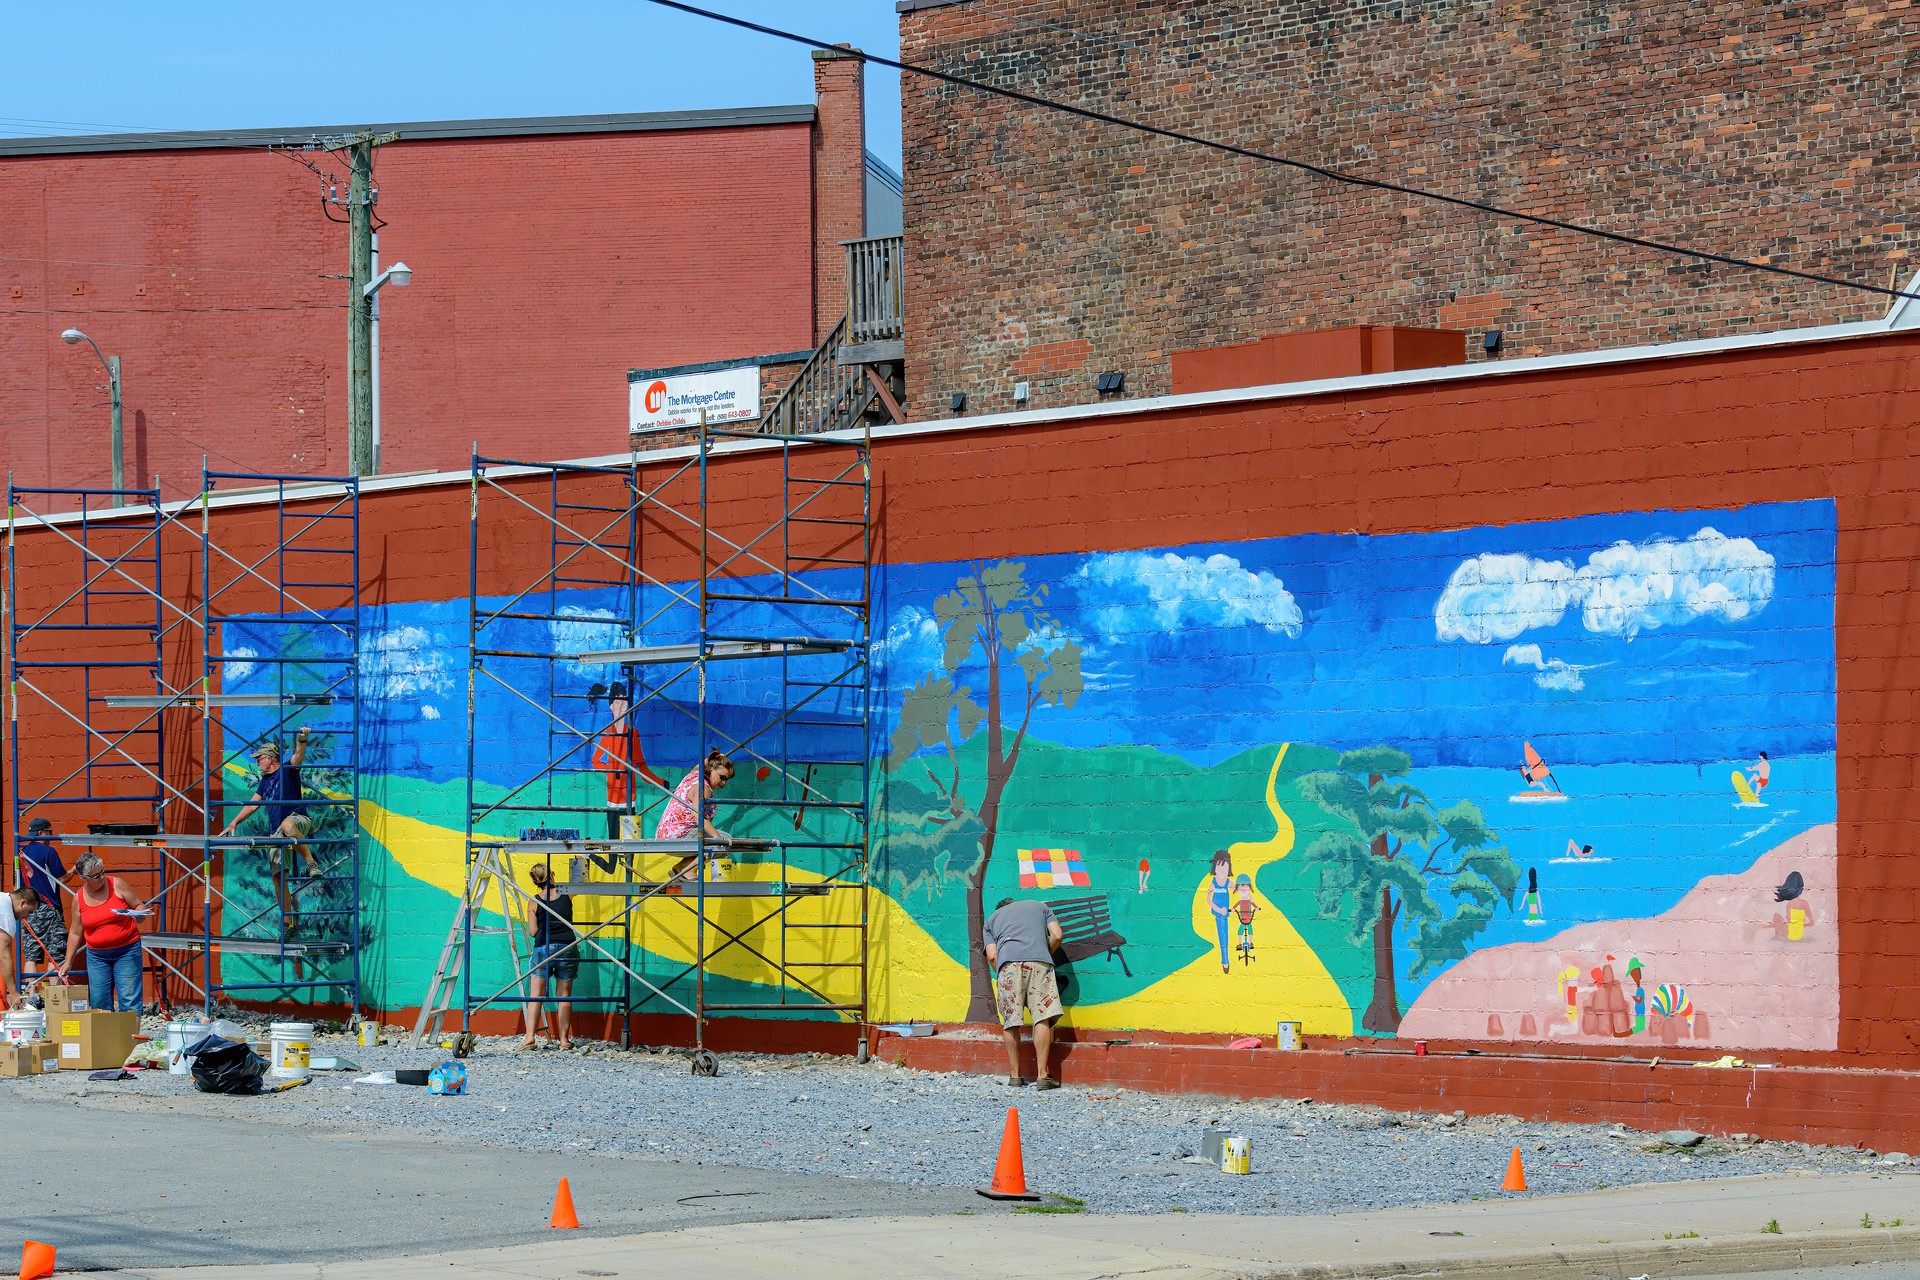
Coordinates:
column 120, row 66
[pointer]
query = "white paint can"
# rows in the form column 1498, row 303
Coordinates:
column 1287, row 1036
column 291, row 1052
column 23, row 1026
column 178, row 1036
column 1237, row 1155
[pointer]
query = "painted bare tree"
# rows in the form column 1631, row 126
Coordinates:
column 1386, row 868
column 996, row 614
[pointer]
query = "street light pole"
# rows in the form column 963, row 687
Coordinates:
column 400, row 275
column 112, row 363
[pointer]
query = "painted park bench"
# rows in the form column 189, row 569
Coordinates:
column 1087, row 930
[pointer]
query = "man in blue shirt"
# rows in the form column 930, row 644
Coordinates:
column 279, row 793
column 40, row 862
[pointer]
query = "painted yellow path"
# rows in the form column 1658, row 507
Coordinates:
column 1286, row 981
column 907, row 965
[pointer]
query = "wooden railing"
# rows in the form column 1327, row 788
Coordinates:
column 875, row 289
column 824, row 396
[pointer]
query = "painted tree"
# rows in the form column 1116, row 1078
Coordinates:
column 1403, row 861
column 994, row 620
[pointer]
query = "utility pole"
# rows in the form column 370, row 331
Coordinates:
column 360, row 307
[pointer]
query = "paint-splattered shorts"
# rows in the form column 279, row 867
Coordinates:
column 1024, row 985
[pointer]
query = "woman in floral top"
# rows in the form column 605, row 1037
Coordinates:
column 686, row 811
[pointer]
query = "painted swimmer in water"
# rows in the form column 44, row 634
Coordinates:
column 1760, row 774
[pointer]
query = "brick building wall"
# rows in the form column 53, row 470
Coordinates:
column 1047, row 248
column 546, row 265
column 1827, row 421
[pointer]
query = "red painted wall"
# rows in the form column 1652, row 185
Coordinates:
column 545, row 268
column 1818, row 420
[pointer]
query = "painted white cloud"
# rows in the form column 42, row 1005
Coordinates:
column 1554, row 674
column 911, row 644
column 429, row 712
column 1185, row 590
column 233, row 672
column 1629, row 588
column 1497, row 597
column 405, row 662
column 585, row 630
column 1621, row 591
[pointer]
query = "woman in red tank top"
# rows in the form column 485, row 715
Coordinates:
column 102, row 917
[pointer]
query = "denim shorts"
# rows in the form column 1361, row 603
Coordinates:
column 551, row 964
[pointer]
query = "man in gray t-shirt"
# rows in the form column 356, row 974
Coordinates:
column 1021, row 938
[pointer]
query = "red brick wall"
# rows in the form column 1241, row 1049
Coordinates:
column 1831, row 420
column 839, row 179
column 545, row 268
column 1049, row 248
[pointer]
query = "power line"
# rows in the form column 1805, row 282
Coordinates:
column 1332, row 175
column 1450, row 122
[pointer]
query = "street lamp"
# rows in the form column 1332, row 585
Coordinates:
column 400, row 275
column 72, row 336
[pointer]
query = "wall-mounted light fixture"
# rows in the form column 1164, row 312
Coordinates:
column 1493, row 341
column 959, row 401
column 1110, row 383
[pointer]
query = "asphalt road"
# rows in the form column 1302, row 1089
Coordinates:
column 114, row 1189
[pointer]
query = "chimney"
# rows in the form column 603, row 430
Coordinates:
column 839, row 177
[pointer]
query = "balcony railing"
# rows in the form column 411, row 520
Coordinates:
column 875, row 289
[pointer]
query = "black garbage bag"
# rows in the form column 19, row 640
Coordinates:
column 222, row 1066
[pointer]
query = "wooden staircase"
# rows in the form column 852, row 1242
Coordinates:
column 858, row 374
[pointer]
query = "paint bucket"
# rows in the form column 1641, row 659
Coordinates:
column 292, row 1050
column 23, row 1026
column 1419, row 1048
column 1213, row 1145
column 178, row 1036
column 1237, row 1156
column 1287, row 1036
column 369, row 1033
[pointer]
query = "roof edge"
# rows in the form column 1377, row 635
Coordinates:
column 412, row 131
column 1117, row 409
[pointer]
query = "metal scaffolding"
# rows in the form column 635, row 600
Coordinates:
column 268, row 643
column 654, row 616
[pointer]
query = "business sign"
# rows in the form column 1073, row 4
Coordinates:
column 726, row 395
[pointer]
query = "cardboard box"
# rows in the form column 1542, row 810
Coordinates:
column 59, row 1000
column 29, row 1059
column 93, row 1040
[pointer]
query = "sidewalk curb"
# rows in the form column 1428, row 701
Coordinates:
column 1752, row 1253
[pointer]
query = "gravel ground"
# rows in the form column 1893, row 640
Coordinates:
column 1120, row 1151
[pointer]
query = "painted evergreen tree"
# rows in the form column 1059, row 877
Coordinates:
column 1403, row 861
column 996, row 614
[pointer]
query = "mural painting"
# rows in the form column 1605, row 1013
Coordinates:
column 1570, row 781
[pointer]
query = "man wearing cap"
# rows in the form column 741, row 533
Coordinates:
column 40, row 862
column 280, row 794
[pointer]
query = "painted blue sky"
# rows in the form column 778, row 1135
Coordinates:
column 1654, row 638
column 1650, row 637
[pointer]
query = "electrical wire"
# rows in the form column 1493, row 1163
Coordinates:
column 1332, row 175
column 1437, row 118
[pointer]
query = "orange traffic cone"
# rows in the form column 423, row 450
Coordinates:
column 1516, row 1175
column 563, row 1208
column 36, row 1260
column 1009, row 1171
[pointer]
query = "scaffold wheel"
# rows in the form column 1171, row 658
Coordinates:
column 705, row 1064
column 463, row 1045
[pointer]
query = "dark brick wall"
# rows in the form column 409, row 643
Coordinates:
column 1047, row 248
